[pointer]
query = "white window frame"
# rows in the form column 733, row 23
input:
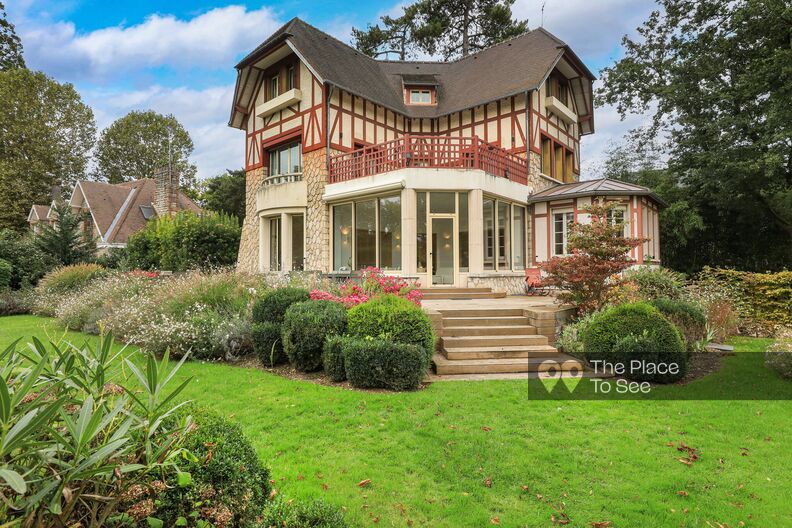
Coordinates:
column 625, row 219
column 274, row 85
column 420, row 93
column 274, row 168
column 512, row 236
column 568, row 220
column 353, row 203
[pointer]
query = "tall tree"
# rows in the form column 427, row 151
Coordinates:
column 717, row 77
column 135, row 145
column 457, row 28
column 46, row 134
column 225, row 193
column 10, row 45
column 63, row 240
column 398, row 36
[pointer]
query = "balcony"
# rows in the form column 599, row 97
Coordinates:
column 280, row 102
column 555, row 105
column 431, row 152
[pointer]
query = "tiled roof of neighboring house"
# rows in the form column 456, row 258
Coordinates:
column 116, row 208
column 600, row 187
column 515, row 66
column 41, row 212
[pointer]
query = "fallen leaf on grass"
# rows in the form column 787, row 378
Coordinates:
column 487, row 429
column 495, row 520
column 682, row 493
column 524, row 488
column 325, row 487
column 488, row 482
column 300, row 477
column 364, row 483
column 601, row 524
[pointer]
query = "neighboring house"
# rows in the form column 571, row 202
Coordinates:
column 116, row 211
column 456, row 173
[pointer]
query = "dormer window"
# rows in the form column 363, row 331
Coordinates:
column 420, row 97
column 557, row 87
column 274, row 87
column 290, row 78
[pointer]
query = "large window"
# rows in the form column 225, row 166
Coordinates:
column 562, row 222
column 274, row 244
column 557, row 87
column 557, row 161
column 462, row 222
column 342, row 237
column 519, row 236
column 285, row 160
column 375, row 239
column 365, row 234
column 504, row 235
column 390, row 232
column 420, row 229
column 298, row 242
column 616, row 216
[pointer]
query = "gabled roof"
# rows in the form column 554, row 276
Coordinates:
column 38, row 212
column 600, row 187
column 116, row 208
column 511, row 67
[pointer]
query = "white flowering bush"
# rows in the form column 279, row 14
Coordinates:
column 779, row 355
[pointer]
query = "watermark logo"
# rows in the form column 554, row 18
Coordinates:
column 570, row 372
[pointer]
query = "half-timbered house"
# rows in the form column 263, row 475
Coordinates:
column 458, row 173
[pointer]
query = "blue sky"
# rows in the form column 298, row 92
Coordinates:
column 178, row 56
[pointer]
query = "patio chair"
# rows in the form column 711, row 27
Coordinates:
column 533, row 282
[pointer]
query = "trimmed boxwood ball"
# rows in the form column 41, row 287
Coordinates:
column 393, row 318
column 305, row 326
column 603, row 339
column 333, row 357
column 273, row 305
column 688, row 317
column 225, row 473
column 380, row 363
column 267, row 343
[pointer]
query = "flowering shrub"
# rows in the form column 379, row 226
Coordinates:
column 373, row 283
column 779, row 355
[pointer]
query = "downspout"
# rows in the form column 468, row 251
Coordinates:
column 528, row 137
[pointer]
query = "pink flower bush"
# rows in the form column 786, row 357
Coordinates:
column 373, row 283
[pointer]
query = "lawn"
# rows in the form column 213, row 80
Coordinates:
column 482, row 453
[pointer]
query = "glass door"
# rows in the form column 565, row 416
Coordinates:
column 442, row 255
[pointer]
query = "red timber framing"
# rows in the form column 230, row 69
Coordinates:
column 304, row 119
column 541, row 124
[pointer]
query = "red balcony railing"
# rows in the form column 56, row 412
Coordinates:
column 434, row 152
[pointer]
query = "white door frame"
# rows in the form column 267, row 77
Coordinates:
column 455, row 250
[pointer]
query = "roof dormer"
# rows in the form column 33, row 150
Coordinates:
column 419, row 89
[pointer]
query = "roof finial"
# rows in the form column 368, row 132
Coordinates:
column 543, row 6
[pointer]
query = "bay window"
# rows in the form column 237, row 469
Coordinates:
column 286, row 160
column 504, row 236
column 375, row 239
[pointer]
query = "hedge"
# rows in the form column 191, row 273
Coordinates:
column 394, row 318
column 380, row 363
column 268, row 344
column 633, row 332
column 762, row 300
column 305, row 326
column 273, row 305
column 333, row 357
column 688, row 317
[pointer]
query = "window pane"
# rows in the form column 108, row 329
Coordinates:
column 365, row 234
column 547, row 161
column 284, row 161
column 569, row 176
column 442, row 202
column 274, row 247
column 558, row 234
column 420, row 228
column 274, row 92
column 504, row 236
column 295, row 156
column 390, row 232
column 415, row 96
column 290, row 79
column 298, row 242
column 559, row 163
column 489, row 234
column 273, row 163
column 463, row 231
column 342, row 237
column 426, row 96
column 519, row 237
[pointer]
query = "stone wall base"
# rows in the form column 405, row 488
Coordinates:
column 512, row 285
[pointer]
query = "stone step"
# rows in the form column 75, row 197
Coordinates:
column 481, row 312
column 443, row 289
column 428, row 295
column 495, row 352
column 445, row 366
column 509, row 320
column 464, row 331
column 492, row 341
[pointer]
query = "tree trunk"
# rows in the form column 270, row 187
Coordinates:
column 465, row 32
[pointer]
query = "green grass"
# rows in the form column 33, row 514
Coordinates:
column 429, row 453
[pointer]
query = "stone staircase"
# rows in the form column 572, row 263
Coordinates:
column 462, row 293
column 478, row 341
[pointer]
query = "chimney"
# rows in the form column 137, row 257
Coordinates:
column 166, row 195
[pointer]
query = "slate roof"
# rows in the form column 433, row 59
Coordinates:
column 511, row 67
column 116, row 207
column 599, row 187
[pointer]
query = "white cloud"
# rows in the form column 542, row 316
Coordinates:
column 210, row 40
column 204, row 113
column 593, row 28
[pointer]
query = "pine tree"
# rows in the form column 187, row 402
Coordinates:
column 64, row 240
